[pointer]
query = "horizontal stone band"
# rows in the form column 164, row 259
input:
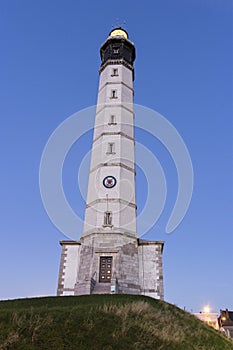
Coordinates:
column 110, row 105
column 116, row 83
column 121, row 61
column 111, row 200
column 113, row 164
column 116, row 133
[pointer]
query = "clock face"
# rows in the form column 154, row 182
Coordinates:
column 109, row 181
column 119, row 32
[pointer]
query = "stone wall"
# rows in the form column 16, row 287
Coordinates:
column 150, row 268
column 136, row 266
column 68, row 267
column 124, row 253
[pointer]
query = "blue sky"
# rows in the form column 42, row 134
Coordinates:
column 49, row 70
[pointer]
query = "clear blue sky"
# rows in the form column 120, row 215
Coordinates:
column 49, row 70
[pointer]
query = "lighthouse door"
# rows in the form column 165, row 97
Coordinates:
column 105, row 269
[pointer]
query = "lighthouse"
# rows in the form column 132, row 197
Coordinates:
column 110, row 258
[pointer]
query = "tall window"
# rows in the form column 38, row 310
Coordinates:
column 105, row 269
column 113, row 94
column 111, row 148
column 112, row 120
column 107, row 218
column 114, row 72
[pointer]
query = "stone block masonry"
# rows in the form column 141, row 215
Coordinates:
column 136, row 266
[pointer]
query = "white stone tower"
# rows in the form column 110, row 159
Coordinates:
column 111, row 203
column 109, row 257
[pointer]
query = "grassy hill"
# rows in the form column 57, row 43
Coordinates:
column 103, row 322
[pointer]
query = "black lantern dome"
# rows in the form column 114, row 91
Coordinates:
column 117, row 49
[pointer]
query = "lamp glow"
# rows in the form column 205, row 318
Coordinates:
column 206, row 309
column 119, row 32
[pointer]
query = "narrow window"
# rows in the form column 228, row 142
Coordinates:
column 105, row 269
column 115, row 50
column 115, row 72
column 114, row 94
column 111, row 148
column 107, row 218
column 112, row 120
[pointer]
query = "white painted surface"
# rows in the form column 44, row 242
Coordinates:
column 120, row 163
column 71, row 266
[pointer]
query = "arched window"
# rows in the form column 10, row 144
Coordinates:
column 113, row 94
column 114, row 72
column 107, row 218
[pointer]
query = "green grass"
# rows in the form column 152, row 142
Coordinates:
column 103, row 322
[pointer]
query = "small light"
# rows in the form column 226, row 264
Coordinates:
column 206, row 309
column 224, row 318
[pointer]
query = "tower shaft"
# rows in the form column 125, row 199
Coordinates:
column 111, row 200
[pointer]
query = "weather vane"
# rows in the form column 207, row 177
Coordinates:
column 118, row 23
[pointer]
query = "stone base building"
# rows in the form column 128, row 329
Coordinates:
column 112, row 265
